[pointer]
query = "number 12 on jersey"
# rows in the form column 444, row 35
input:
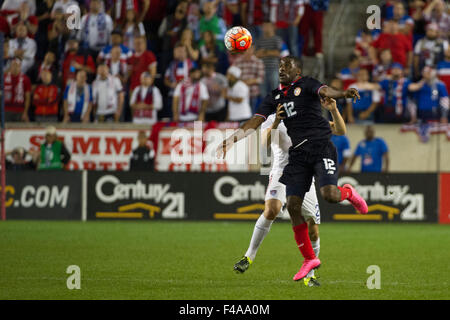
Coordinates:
column 289, row 107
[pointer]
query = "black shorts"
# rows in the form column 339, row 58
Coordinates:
column 319, row 160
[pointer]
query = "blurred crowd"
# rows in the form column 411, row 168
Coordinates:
column 145, row 61
column 403, row 69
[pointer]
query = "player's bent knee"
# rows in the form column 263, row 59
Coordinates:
column 271, row 213
column 330, row 194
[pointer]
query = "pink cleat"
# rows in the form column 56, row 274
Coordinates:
column 357, row 201
column 307, row 266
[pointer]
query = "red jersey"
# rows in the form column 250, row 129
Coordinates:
column 4, row 26
column 31, row 20
column 255, row 11
column 15, row 88
column 122, row 6
column 156, row 11
column 81, row 59
column 140, row 64
column 45, row 100
column 399, row 44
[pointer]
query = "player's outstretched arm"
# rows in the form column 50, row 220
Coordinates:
column 337, row 125
column 336, row 94
column 241, row 133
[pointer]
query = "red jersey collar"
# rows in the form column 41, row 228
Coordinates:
column 286, row 88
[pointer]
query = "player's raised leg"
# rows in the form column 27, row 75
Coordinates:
column 262, row 228
column 325, row 168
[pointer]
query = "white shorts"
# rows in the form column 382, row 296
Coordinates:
column 277, row 190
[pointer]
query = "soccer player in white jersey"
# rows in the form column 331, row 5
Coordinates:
column 276, row 191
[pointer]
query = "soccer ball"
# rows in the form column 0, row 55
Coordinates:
column 238, row 39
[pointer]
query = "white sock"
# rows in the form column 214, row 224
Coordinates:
column 262, row 228
column 316, row 248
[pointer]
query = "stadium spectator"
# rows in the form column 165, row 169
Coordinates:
column 398, row 43
column 210, row 53
column 46, row 98
column 78, row 99
column 231, row 12
column 429, row 50
column 435, row 12
column 337, row 84
column 187, row 39
column 16, row 160
column 14, row 5
column 287, row 14
column 216, row 83
column 131, row 29
column 252, row 75
column 117, row 65
column 395, row 94
column 312, row 20
column 142, row 60
column 23, row 47
column 47, row 64
column 373, row 151
column 96, row 28
column 108, row 96
column 362, row 111
column 145, row 101
column 143, row 157
column 171, row 26
column 405, row 22
column 382, row 70
column 53, row 153
column 416, row 13
column 116, row 41
column 193, row 16
column 179, row 68
column 348, row 75
column 63, row 6
column 252, row 16
column 431, row 98
column 211, row 22
column 443, row 70
column 238, row 96
column 344, row 152
column 153, row 19
column 362, row 49
column 57, row 37
column 122, row 6
column 17, row 93
column 268, row 49
column 26, row 18
column 76, row 60
column 190, row 98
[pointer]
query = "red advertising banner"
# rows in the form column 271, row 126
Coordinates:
column 90, row 149
column 444, row 198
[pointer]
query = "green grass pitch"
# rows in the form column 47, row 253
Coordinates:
column 194, row 260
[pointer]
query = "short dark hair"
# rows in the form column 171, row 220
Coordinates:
column 297, row 61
